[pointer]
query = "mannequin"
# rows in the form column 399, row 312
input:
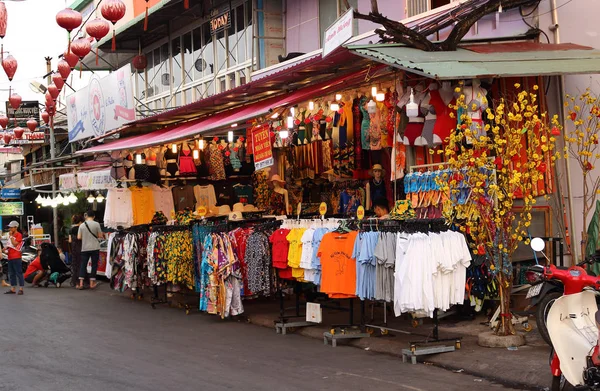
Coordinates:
column 477, row 104
column 415, row 124
column 186, row 160
column 279, row 198
column 427, row 110
column 441, row 100
column 376, row 187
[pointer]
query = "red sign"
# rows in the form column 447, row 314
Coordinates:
column 261, row 142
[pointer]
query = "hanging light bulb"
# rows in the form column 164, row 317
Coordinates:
column 234, row 125
column 284, row 134
column 311, row 105
column 334, row 107
column 196, row 154
column 230, row 136
column 59, row 199
column 275, row 115
column 290, row 122
column 45, row 201
column 72, row 198
column 380, row 97
column 412, row 109
column 293, row 111
column 373, row 91
column 91, row 199
column 174, row 148
column 54, row 203
column 338, row 97
column 100, row 198
column 138, row 158
column 201, row 144
column 39, row 199
column 500, row 8
column 66, row 201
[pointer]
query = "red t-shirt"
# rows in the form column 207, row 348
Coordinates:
column 281, row 247
column 34, row 266
column 12, row 253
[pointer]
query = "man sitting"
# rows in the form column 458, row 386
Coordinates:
column 36, row 272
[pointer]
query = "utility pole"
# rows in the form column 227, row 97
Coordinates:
column 52, row 157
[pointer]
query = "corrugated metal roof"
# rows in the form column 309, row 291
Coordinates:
column 510, row 59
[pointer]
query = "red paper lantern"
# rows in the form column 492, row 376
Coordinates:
column 71, row 58
column 15, row 101
column 9, row 63
column 58, row 81
column 3, row 20
column 3, row 121
column 53, row 90
column 45, row 117
column 98, row 29
column 64, row 69
column 69, row 19
column 140, row 62
column 49, row 100
column 81, row 47
column 113, row 11
column 7, row 138
column 32, row 125
column 18, row 132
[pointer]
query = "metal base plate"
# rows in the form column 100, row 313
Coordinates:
column 327, row 336
column 424, row 351
column 281, row 328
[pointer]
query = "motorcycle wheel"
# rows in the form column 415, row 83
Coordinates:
column 559, row 383
column 541, row 314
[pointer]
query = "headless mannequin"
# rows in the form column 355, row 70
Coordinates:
column 419, row 95
column 377, row 178
column 277, row 188
column 477, row 104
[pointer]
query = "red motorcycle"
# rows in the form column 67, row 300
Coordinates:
column 573, row 328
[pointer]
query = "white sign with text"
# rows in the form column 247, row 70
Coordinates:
column 339, row 32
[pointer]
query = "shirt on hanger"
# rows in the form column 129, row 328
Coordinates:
column 280, row 248
column 143, row 204
column 338, row 268
column 295, row 252
column 183, row 198
column 163, row 200
column 244, row 193
column 205, row 196
column 224, row 193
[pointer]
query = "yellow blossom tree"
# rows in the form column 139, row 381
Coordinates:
column 581, row 144
column 492, row 166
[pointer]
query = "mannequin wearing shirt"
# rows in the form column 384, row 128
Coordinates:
column 376, row 187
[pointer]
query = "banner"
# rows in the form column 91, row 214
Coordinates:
column 104, row 105
column 29, row 109
column 261, row 144
column 11, row 209
column 87, row 180
column 10, row 194
column 339, row 32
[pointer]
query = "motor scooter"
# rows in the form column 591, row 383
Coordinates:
column 573, row 329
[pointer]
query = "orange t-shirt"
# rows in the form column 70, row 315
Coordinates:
column 338, row 268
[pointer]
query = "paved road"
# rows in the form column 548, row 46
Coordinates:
column 61, row 339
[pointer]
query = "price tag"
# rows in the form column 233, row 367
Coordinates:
column 202, row 211
column 323, row 209
column 360, row 212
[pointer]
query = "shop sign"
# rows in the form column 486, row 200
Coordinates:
column 30, row 138
column 87, row 180
column 11, row 209
column 338, row 33
column 10, row 194
column 261, row 143
column 220, row 19
column 28, row 109
column 104, row 105
column 13, row 150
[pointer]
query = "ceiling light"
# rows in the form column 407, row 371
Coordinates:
column 412, row 109
column 230, row 136
column 293, row 111
column 138, row 158
column 91, row 199
column 373, row 91
column 338, row 97
column 100, row 198
column 196, row 154
column 73, row 198
column 335, row 107
column 201, row 144
column 311, row 105
column 290, row 122
column 234, row 125
column 174, row 148
column 284, row 134
column 380, row 97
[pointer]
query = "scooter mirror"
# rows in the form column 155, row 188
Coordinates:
column 538, row 244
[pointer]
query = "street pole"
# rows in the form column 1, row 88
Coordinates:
column 52, row 156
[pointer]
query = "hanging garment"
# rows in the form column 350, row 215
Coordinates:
column 163, row 200
column 119, row 209
column 385, row 255
column 244, row 193
column 257, row 259
column 398, row 159
column 445, row 123
column 183, row 198
column 280, row 247
column 216, row 167
column 295, row 252
column 152, row 164
column 186, row 162
column 365, row 124
column 170, row 159
column 426, row 137
column 338, row 268
column 143, row 205
column 117, row 171
column 364, row 253
column 277, row 204
column 205, row 196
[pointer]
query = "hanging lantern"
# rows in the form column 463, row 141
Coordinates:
column 18, row 132
column 3, row 24
column 81, row 47
column 7, row 138
column 49, row 100
column 98, row 29
column 58, row 81
column 186, row 4
column 53, row 90
column 113, row 11
column 45, row 117
column 10, row 66
column 69, row 20
column 15, row 101
column 64, row 69
column 140, row 62
column 3, row 121
column 32, row 125
column 71, row 58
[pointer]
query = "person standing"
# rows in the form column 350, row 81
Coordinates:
column 90, row 234
column 15, row 267
column 75, row 248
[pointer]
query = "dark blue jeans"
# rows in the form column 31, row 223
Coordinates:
column 15, row 272
column 85, row 257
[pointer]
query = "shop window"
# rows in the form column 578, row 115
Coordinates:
column 416, row 7
column 329, row 11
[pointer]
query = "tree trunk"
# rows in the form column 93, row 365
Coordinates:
column 505, row 325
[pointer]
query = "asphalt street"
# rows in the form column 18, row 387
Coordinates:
column 62, row 339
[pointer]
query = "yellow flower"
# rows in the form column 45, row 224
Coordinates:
column 535, row 87
column 517, row 85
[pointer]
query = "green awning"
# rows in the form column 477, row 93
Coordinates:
column 487, row 60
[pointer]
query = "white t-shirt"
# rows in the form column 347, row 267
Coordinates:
column 307, row 253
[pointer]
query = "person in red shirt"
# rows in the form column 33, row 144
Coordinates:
column 15, row 269
column 36, row 272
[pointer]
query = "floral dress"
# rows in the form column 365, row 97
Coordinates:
column 277, row 204
column 217, row 168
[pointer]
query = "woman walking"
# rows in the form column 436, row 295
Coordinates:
column 15, row 264
column 75, row 249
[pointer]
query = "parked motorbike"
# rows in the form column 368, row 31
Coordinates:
column 573, row 330
column 543, row 293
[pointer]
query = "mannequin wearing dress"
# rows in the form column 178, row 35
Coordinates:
column 279, row 198
column 477, row 104
column 376, row 187
column 441, row 99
